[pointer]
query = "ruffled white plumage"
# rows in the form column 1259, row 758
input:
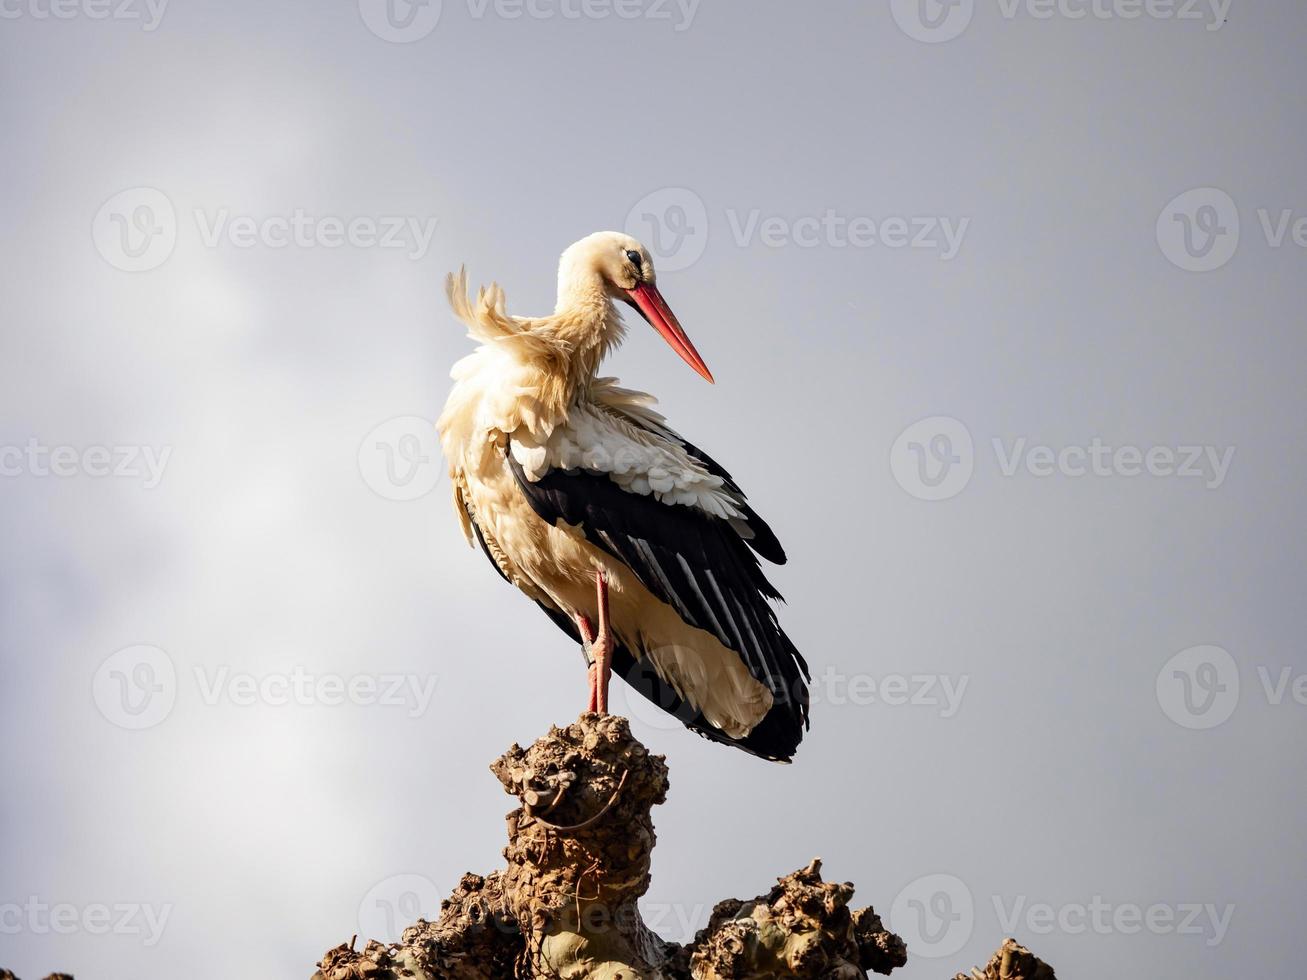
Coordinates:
column 599, row 437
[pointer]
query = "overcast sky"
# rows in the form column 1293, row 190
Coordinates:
column 1005, row 304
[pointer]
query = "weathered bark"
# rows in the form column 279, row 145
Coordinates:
column 1012, row 962
column 801, row 928
column 564, row 908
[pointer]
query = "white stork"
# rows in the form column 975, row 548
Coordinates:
column 632, row 540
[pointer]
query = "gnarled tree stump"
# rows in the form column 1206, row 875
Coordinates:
column 565, row 907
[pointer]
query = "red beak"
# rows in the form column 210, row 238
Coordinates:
column 653, row 307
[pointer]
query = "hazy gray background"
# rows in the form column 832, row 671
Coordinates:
column 266, row 832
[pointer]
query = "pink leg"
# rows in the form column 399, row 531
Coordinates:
column 587, row 640
column 598, row 649
column 603, row 647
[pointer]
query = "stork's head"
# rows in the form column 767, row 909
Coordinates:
column 625, row 271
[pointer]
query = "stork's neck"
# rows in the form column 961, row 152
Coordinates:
column 587, row 321
column 581, row 292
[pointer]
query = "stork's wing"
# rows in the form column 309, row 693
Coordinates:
column 759, row 535
column 636, row 408
column 694, row 561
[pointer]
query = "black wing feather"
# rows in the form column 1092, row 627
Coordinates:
column 764, row 540
column 700, row 566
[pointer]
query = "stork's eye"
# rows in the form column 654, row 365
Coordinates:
column 634, row 257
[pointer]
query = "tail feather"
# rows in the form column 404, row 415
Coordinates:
column 775, row 737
